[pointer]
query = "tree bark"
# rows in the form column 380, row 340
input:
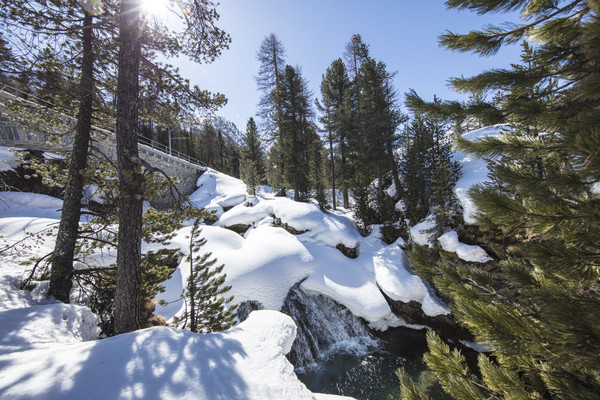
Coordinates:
column 127, row 307
column 66, row 239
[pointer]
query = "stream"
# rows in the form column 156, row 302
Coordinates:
column 336, row 353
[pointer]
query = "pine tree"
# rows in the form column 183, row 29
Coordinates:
column 253, row 169
column 336, row 119
column 201, row 41
column 271, row 56
column 541, row 312
column 206, row 309
column 294, row 116
column 416, row 168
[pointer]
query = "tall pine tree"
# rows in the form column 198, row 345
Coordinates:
column 540, row 313
column 253, row 167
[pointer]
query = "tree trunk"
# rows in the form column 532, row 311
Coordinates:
column 127, row 315
column 66, row 239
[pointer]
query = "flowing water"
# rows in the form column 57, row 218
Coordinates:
column 335, row 352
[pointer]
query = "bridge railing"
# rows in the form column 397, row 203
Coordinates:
column 153, row 144
column 6, row 126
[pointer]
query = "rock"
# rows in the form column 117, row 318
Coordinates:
column 239, row 228
column 413, row 314
column 246, row 307
column 350, row 252
column 292, row 230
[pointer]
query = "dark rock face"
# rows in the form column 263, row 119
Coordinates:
column 350, row 252
column 239, row 228
column 246, row 307
column 290, row 229
column 412, row 313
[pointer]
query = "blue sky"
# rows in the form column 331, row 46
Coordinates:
column 401, row 33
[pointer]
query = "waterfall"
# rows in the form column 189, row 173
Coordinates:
column 324, row 328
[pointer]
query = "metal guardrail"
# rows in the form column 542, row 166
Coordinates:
column 141, row 139
column 169, row 151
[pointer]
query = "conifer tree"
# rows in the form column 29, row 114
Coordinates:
column 540, row 313
column 206, row 310
column 336, row 119
column 271, row 56
column 294, row 116
column 201, row 41
column 253, row 168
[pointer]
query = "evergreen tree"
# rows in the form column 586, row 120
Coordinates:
column 271, row 57
column 205, row 307
column 317, row 160
column 294, row 116
column 541, row 312
column 201, row 41
column 416, row 168
column 336, row 119
column 253, row 169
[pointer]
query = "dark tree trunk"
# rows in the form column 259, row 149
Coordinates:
column 66, row 239
column 127, row 315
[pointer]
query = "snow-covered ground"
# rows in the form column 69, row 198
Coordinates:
column 267, row 261
column 49, row 350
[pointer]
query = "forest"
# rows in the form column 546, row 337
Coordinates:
column 379, row 169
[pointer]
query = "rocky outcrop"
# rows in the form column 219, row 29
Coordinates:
column 350, row 252
column 239, row 228
column 290, row 229
column 413, row 314
column 246, row 307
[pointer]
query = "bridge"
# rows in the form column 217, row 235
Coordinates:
column 172, row 162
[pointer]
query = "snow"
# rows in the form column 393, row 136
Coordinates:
column 449, row 242
column 50, row 351
column 320, row 227
column 474, row 171
column 17, row 204
column 8, row 159
column 422, row 233
column 43, row 325
column 47, row 349
column 246, row 362
column 399, row 284
column 219, row 191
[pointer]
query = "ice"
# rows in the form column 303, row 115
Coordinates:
column 449, row 242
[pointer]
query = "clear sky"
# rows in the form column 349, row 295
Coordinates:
column 401, row 33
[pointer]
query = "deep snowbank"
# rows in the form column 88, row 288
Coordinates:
column 246, row 362
column 267, row 261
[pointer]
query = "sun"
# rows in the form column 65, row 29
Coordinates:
column 155, row 8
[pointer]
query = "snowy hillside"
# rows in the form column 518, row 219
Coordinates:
column 49, row 350
column 267, row 261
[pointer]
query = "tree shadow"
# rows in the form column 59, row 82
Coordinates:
column 154, row 363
